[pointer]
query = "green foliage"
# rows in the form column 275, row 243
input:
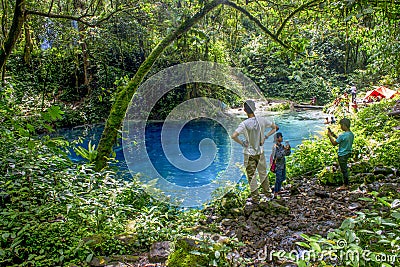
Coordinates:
column 202, row 251
column 89, row 154
column 278, row 75
column 379, row 141
column 310, row 157
column 330, row 176
column 52, row 114
column 232, row 201
column 54, row 212
column 375, row 144
column 183, row 256
column 280, row 107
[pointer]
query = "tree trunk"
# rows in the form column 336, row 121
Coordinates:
column 13, row 34
column 124, row 95
column 28, row 44
column 85, row 57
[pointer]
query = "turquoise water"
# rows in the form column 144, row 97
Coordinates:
column 295, row 126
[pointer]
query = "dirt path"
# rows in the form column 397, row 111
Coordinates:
column 313, row 209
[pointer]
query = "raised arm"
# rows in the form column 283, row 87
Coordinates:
column 287, row 150
column 274, row 128
column 332, row 139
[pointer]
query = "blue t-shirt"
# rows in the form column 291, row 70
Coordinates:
column 345, row 141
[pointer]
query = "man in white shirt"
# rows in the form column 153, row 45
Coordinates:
column 353, row 91
column 253, row 129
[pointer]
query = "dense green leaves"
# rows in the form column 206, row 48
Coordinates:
column 375, row 144
column 63, row 72
column 77, row 66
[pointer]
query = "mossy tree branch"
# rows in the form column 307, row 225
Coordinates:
column 19, row 17
column 13, row 34
column 297, row 10
column 258, row 23
column 124, row 95
column 82, row 19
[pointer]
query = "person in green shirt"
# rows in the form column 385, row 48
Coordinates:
column 345, row 142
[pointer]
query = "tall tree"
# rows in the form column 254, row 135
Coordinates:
column 123, row 98
column 124, row 95
column 13, row 34
column 21, row 13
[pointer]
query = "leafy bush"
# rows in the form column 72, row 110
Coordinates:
column 54, row 212
column 375, row 143
column 280, row 107
column 330, row 176
column 310, row 157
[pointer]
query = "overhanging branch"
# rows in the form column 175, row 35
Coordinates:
column 297, row 10
column 81, row 19
column 258, row 23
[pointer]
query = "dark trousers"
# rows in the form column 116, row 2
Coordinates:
column 280, row 177
column 353, row 97
column 343, row 167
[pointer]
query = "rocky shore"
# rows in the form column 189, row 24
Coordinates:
column 304, row 207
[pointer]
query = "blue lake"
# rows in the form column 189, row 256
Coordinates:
column 295, row 126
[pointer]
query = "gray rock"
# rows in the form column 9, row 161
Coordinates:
column 99, row 261
column 159, row 251
column 273, row 207
column 250, row 207
column 226, row 222
column 294, row 226
column 354, row 206
column 383, row 170
column 321, row 194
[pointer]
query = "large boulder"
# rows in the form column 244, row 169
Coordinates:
column 159, row 251
column 273, row 207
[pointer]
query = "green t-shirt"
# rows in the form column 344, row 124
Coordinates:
column 345, row 141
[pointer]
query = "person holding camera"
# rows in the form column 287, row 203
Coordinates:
column 253, row 129
column 345, row 142
column 279, row 152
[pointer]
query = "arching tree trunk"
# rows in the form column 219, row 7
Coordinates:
column 124, row 96
column 13, row 34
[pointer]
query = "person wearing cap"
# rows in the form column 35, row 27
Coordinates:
column 279, row 152
column 253, row 129
column 345, row 142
